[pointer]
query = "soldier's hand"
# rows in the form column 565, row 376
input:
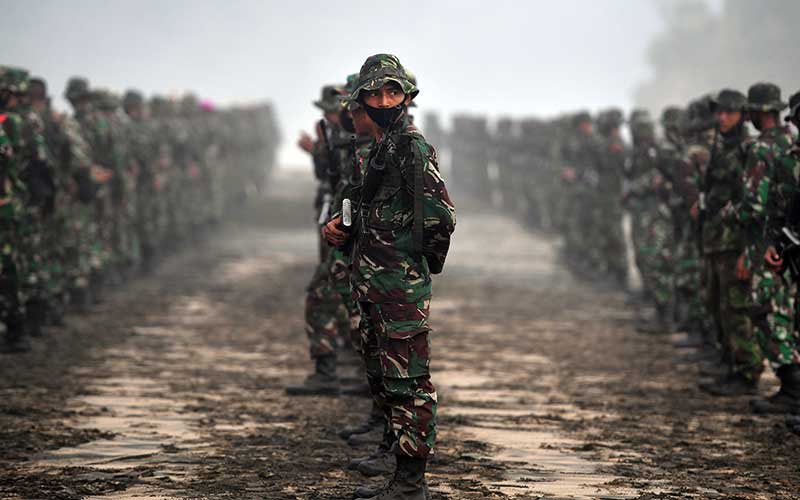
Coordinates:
column 306, row 143
column 773, row 259
column 742, row 273
column 694, row 212
column 332, row 234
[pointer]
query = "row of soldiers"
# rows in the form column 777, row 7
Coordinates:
column 91, row 197
column 710, row 204
column 386, row 220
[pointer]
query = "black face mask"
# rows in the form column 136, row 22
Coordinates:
column 347, row 122
column 384, row 117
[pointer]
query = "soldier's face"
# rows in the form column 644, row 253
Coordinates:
column 385, row 97
column 585, row 127
column 728, row 120
column 333, row 118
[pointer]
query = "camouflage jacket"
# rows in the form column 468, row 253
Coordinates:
column 385, row 266
column 769, row 182
column 12, row 190
column 143, row 153
column 581, row 152
column 611, row 167
column 723, row 183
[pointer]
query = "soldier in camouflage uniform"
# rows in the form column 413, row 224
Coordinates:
column 647, row 198
column 770, row 181
column 728, row 296
column 325, row 310
column 608, row 223
column 13, row 196
column 791, row 345
column 402, row 237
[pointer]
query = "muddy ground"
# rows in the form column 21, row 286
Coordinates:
column 173, row 387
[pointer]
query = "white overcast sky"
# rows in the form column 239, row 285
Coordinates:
column 497, row 57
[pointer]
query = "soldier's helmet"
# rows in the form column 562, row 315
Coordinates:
column 581, row 117
column 699, row 115
column 330, row 99
column 77, row 87
column 794, row 106
column 14, row 80
column 609, row 120
column 132, row 99
column 728, row 100
column 641, row 123
column 105, row 100
column 38, row 86
column 377, row 71
column 673, row 117
column 765, row 96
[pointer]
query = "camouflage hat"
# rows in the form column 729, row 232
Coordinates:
column 132, row 99
column 189, row 104
column 581, row 117
column 77, row 87
column 330, row 99
column 699, row 114
column 14, row 79
column 610, row 119
column 40, row 82
column 413, row 79
column 352, row 81
column 728, row 100
column 794, row 106
column 159, row 105
column 672, row 117
column 639, row 116
column 380, row 69
column 765, row 97
column 105, row 100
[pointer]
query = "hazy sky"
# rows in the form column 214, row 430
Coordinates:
column 497, row 57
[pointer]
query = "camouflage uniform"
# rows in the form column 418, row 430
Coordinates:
column 727, row 297
column 608, row 223
column 391, row 275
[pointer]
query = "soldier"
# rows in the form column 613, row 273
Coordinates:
column 647, row 199
column 723, row 246
column 325, row 310
column 394, row 256
column 770, row 181
column 12, row 218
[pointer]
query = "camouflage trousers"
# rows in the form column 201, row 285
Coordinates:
column 12, row 311
column 652, row 241
column 773, row 317
column 729, row 303
column 396, row 352
column 325, row 314
column 610, row 239
column 689, row 285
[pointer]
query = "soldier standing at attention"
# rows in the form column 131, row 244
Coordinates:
column 402, row 236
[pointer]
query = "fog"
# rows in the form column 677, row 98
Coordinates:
column 500, row 58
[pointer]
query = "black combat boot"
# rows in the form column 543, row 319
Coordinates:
column 371, row 491
column 375, row 421
column 793, row 422
column 732, row 384
column 15, row 339
column 35, row 315
column 408, row 482
column 80, row 300
column 323, row 382
column 787, row 399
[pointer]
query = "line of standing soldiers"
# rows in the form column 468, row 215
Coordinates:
column 707, row 204
column 90, row 198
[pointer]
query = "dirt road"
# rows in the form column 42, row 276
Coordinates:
column 173, row 387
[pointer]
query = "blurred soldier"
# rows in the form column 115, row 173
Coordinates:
column 723, row 247
column 608, row 224
column 770, row 182
column 395, row 252
column 12, row 220
column 325, row 310
column 647, row 198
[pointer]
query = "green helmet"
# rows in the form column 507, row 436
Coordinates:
column 380, row 69
column 728, row 100
column 581, row 117
column 765, row 97
column 609, row 119
column 77, row 87
column 641, row 123
column 105, row 100
column 330, row 99
column 699, row 114
column 673, row 117
column 14, row 79
column 794, row 106
column 132, row 99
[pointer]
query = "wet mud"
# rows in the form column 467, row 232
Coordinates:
column 173, row 386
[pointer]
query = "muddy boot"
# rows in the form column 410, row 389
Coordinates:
column 408, row 482
column 322, row 382
column 732, row 384
column 371, row 491
column 373, row 436
column 381, row 464
column 787, row 399
column 375, row 421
